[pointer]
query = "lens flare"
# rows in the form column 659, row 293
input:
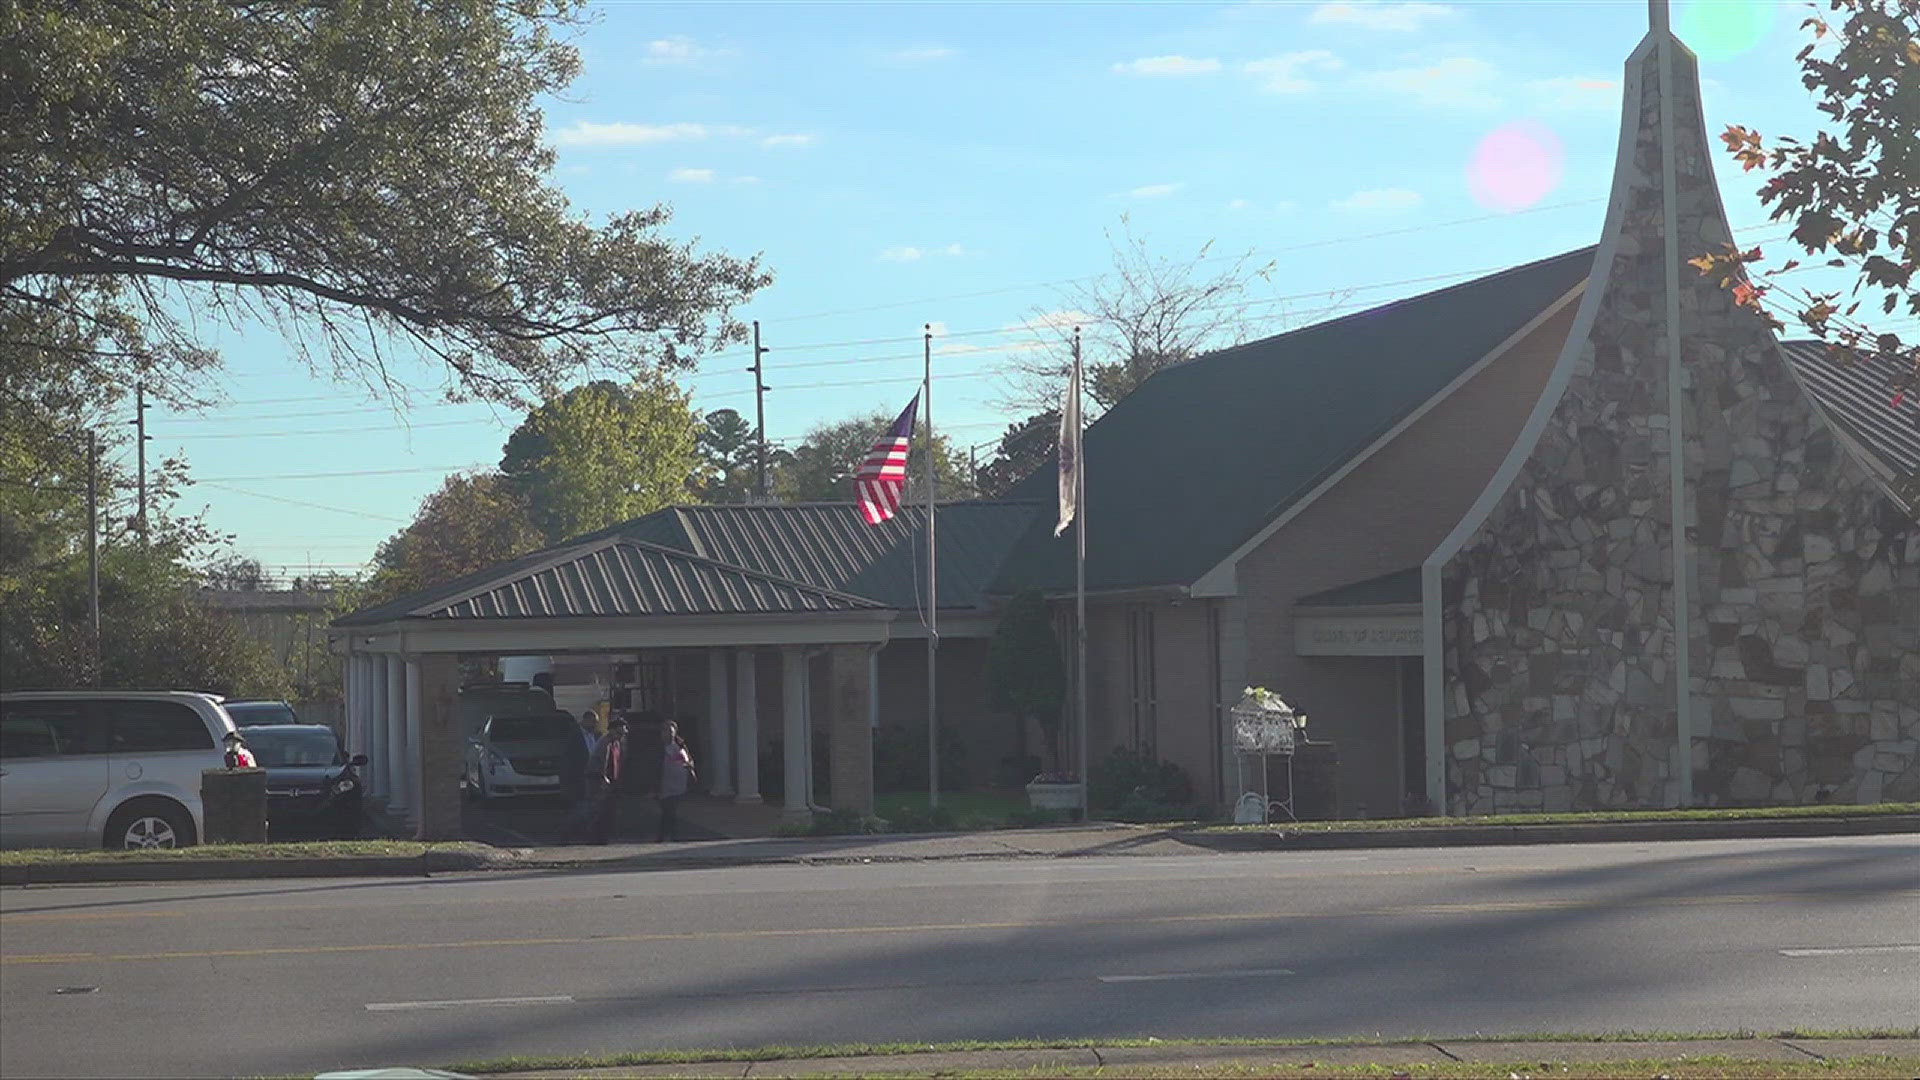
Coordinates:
column 1515, row 166
column 1722, row 29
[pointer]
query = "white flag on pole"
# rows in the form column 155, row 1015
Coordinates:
column 1070, row 450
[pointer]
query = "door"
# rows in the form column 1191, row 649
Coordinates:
column 53, row 771
column 162, row 745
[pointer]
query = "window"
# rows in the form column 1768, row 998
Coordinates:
column 294, row 747
column 145, row 727
column 47, row 729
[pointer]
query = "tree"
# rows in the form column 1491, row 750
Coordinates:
column 603, row 453
column 472, row 522
column 1853, row 195
column 1024, row 447
column 358, row 173
column 822, row 466
column 728, row 458
column 1147, row 313
column 1025, row 675
column 235, row 572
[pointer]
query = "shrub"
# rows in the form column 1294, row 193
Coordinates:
column 1128, row 779
column 900, row 759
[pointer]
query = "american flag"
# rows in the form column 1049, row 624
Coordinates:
column 880, row 479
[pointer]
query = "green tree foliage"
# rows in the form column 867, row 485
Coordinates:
column 1024, row 447
column 472, row 522
column 727, row 459
column 368, row 173
column 1852, row 194
column 1025, row 675
column 603, row 453
column 822, row 465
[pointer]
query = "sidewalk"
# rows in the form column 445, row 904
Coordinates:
column 1057, row 842
column 1231, row 1059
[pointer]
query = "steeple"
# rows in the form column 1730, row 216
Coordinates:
column 1657, row 16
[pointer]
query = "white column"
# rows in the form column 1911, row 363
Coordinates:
column 392, row 710
column 393, row 707
column 719, row 763
column 746, row 713
column 412, row 705
column 793, row 717
column 349, row 703
column 373, row 730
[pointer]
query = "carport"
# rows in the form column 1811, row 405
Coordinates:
column 615, row 594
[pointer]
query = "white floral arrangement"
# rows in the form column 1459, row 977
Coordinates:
column 1262, row 722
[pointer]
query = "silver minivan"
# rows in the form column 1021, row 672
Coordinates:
column 119, row 768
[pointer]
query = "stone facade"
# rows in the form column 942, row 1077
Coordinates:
column 1559, row 642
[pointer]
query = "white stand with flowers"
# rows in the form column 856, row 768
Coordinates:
column 1264, row 726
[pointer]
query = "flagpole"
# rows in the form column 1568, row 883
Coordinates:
column 1080, row 581
column 933, row 596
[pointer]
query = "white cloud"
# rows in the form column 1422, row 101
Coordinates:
column 1155, row 191
column 919, row 56
column 1576, row 94
column 911, row 253
column 619, row 133
column 1168, row 65
column 1380, row 201
column 1460, row 82
column 680, row 50
column 744, row 180
column 1373, row 15
column 1238, row 204
column 691, row 176
column 787, row 140
column 1286, row 73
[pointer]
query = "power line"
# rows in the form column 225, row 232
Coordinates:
column 317, row 431
column 301, row 502
column 348, row 472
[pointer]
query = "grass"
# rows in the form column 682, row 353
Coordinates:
column 963, row 805
column 323, row 849
column 1709, row 1067
column 882, row 1050
column 1583, row 818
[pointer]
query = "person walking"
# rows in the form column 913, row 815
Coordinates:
column 573, row 774
column 676, row 776
column 603, row 776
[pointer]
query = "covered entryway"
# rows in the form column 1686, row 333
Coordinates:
column 619, row 596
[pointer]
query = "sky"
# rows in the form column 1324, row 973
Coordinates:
column 962, row 164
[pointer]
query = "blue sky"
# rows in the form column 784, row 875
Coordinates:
column 897, row 164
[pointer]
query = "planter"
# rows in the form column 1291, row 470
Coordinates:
column 1051, row 796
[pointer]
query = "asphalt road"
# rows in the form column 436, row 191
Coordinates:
column 301, row 976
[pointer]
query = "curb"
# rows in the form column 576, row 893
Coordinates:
column 1597, row 833
column 179, row 869
column 453, row 861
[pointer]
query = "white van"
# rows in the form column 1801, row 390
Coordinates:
column 120, row 768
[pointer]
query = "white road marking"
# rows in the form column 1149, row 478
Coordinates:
column 1243, row 973
column 1853, row 950
column 469, row 1003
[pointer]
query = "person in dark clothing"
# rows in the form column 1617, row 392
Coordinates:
column 604, row 770
column 676, row 776
column 573, row 774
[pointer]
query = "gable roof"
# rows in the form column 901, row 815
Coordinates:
column 726, row 559
column 622, row 577
column 1855, row 394
column 1204, row 454
column 1399, row 587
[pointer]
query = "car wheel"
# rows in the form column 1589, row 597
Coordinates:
column 147, row 825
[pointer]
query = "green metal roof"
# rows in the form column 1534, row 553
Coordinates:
column 1205, row 454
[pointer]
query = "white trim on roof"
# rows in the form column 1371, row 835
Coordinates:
column 1222, row 579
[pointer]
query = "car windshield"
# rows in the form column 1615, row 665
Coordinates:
column 285, row 748
column 247, row 713
column 520, row 728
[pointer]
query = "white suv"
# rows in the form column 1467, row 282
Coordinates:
column 114, row 767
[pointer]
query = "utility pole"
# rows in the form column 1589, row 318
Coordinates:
column 140, row 440
column 760, row 419
column 93, row 546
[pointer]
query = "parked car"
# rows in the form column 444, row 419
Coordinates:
column 312, row 786
column 518, row 755
column 477, row 701
column 119, row 768
column 250, row 713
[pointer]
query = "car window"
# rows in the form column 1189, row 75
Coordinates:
column 283, row 748
column 144, row 727
column 48, row 729
column 248, row 713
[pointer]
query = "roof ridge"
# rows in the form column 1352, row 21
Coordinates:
column 778, row 579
